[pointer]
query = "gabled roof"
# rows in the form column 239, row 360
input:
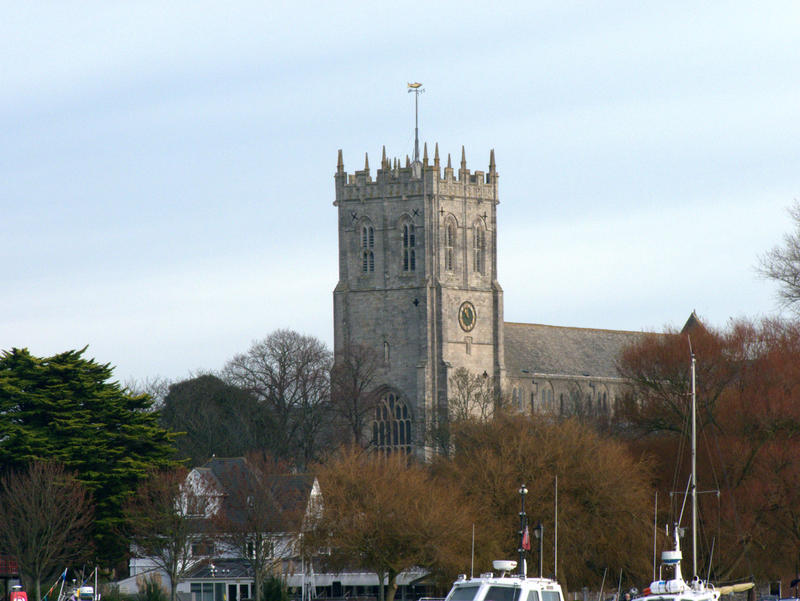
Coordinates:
column 289, row 494
column 564, row 351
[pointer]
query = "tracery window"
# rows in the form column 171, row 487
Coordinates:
column 478, row 249
column 409, row 248
column 367, row 249
column 449, row 246
column 391, row 430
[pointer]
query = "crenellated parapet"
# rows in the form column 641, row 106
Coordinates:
column 392, row 179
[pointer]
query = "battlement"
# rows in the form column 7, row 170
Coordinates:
column 392, row 179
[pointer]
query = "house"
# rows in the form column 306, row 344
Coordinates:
column 220, row 566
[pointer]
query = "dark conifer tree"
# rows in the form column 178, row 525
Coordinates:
column 66, row 408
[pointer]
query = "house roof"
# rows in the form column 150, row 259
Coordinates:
column 564, row 351
column 287, row 496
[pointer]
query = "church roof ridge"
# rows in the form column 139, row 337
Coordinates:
column 546, row 325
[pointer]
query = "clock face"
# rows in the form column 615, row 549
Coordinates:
column 467, row 316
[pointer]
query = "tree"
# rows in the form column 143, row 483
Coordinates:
column 64, row 408
column 604, row 497
column 782, row 263
column 45, row 519
column 213, row 417
column 289, row 374
column 387, row 516
column 471, row 397
column 354, row 395
column 262, row 513
column 166, row 517
column 748, row 441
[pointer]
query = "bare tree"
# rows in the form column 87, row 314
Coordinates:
column 166, row 517
column 262, row 513
column 472, row 396
column 156, row 387
column 45, row 515
column 782, row 263
column 289, row 373
column 353, row 392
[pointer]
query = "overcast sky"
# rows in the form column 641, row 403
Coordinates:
column 166, row 168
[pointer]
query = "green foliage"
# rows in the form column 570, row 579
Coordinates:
column 273, row 589
column 65, row 408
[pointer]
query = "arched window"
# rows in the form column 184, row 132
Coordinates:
column 409, row 248
column 449, row 246
column 478, row 248
column 367, row 249
column 391, row 430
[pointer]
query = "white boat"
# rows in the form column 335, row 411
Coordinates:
column 504, row 587
column 508, row 586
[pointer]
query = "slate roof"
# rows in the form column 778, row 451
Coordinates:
column 564, row 351
column 290, row 493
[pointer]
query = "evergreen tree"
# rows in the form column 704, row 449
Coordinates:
column 65, row 408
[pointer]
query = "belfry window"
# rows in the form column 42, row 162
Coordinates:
column 391, row 430
column 478, row 249
column 409, row 248
column 449, row 244
column 367, row 249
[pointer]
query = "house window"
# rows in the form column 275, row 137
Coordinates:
column 449, row 244
column 367, row 249
column 479, row 249
column 391, row 430
column 409, row 248
column 202, row 548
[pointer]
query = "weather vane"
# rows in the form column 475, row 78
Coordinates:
column 417, row 88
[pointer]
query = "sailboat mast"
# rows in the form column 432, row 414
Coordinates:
column 694, row 473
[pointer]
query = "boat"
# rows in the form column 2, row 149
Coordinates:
column 507, row 585
column 504, row 587
column 676, row 588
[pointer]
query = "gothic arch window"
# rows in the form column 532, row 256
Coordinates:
column 478, row 248
column 367, row 248
column 547, row 399
column 409, row 248
column 391, row 430
column 449, row 245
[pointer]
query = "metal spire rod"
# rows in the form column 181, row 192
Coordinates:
column 694, row 471
column 417, row 89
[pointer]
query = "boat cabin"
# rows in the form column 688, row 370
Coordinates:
column 488, row 587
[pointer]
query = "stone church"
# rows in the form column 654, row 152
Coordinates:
column 418, row 285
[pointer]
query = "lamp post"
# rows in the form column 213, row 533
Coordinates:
column 538, row 532
column 522, row 492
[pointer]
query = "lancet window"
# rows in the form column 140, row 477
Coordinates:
column 479, row 249
column 367, row 249
column 409, row 248
column 449, row 246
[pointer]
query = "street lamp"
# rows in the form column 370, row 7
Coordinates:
column 538, row 532
column 522, row 492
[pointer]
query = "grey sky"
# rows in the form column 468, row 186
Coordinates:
column 166, row 168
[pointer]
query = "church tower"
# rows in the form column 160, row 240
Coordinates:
column 418, row 286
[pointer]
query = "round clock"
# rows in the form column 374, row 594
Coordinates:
column 467, row 316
